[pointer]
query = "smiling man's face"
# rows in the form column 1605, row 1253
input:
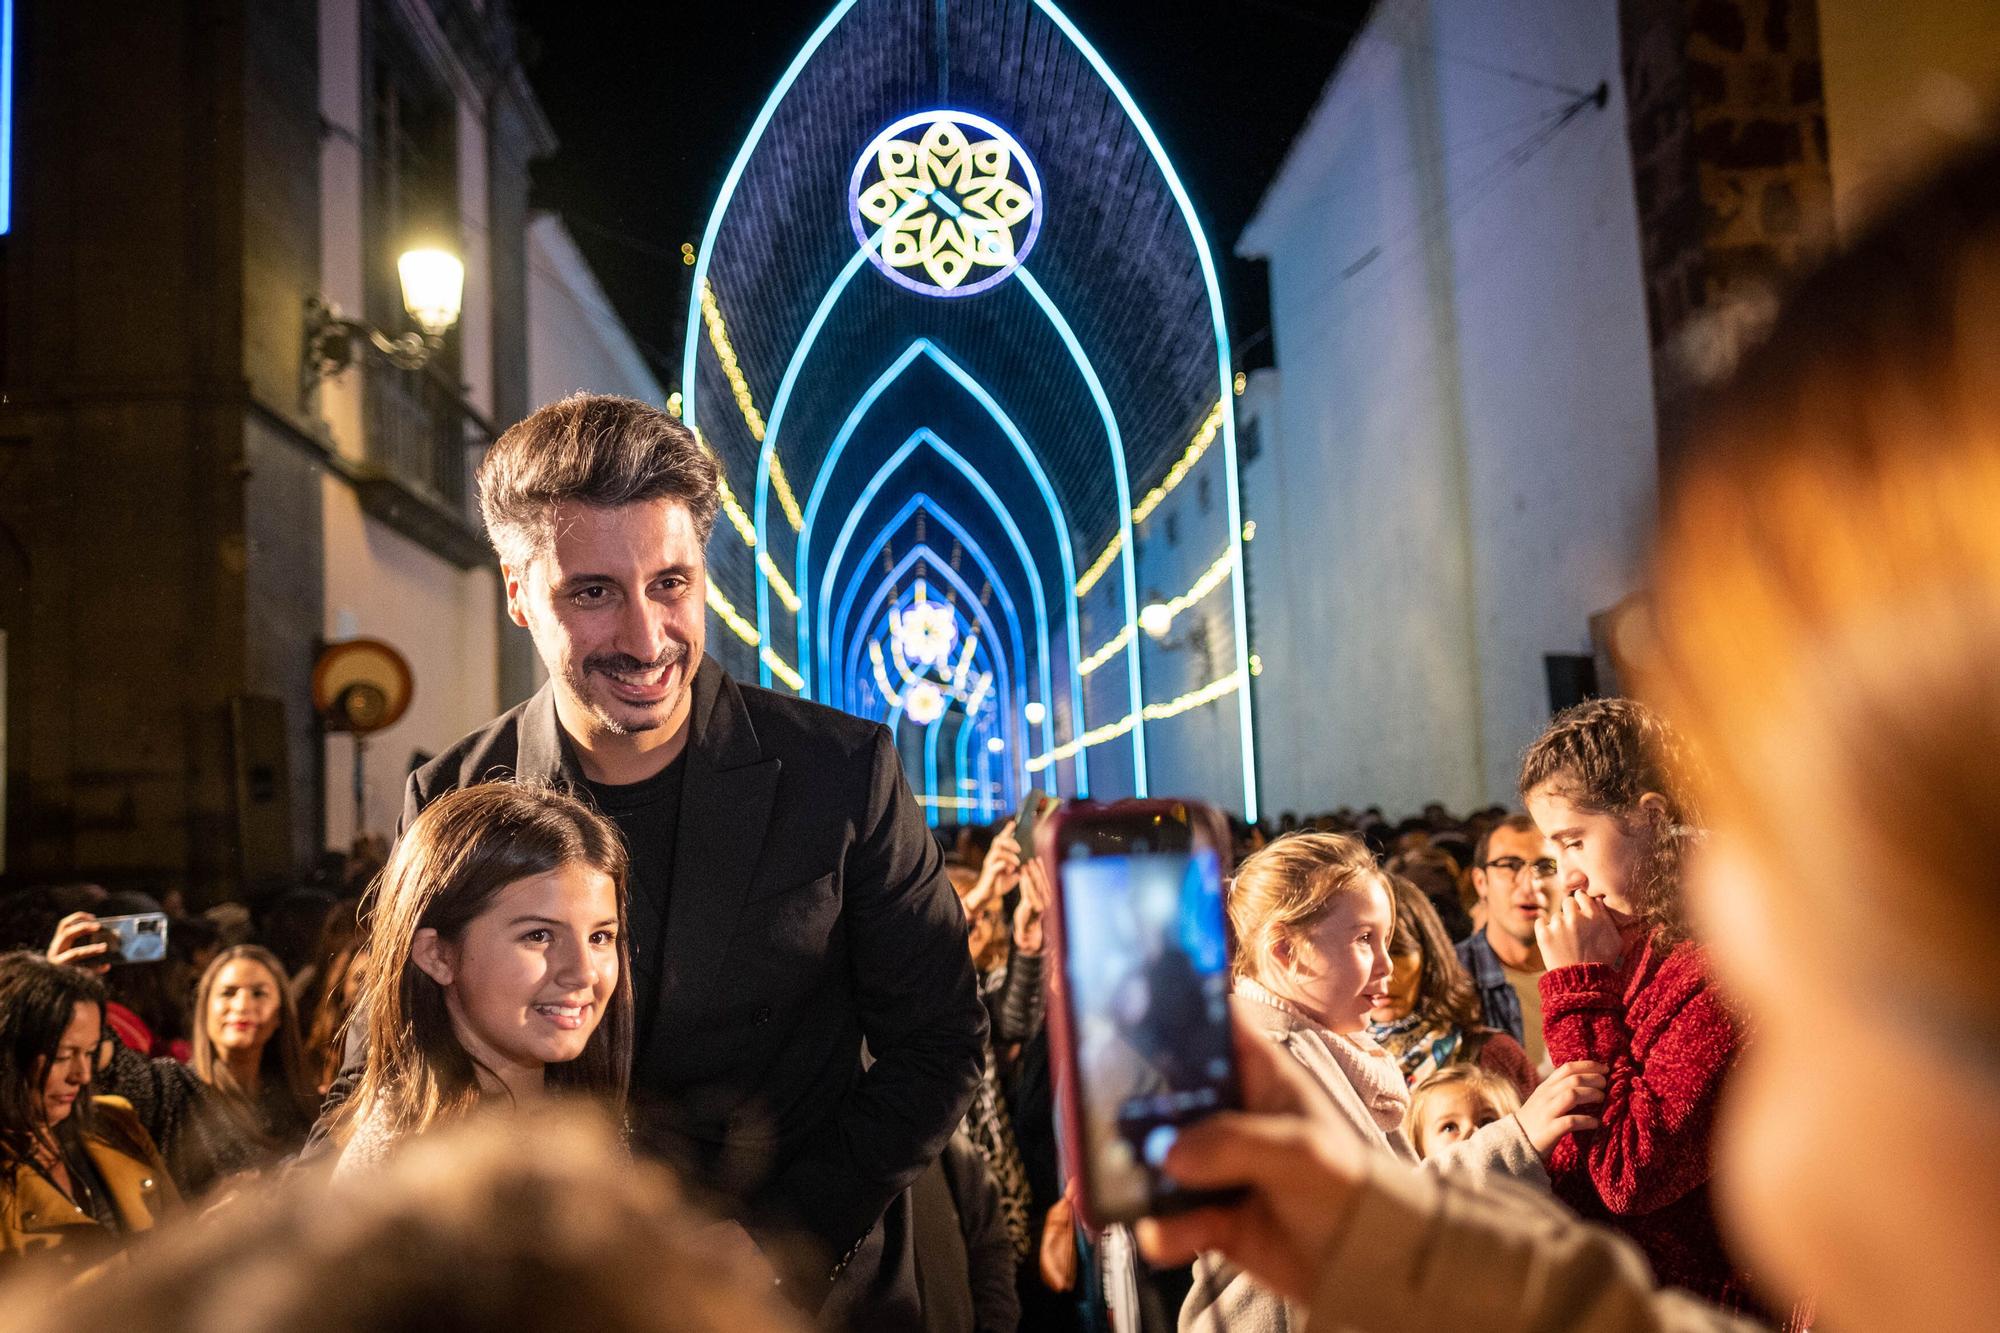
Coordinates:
column 617, row 612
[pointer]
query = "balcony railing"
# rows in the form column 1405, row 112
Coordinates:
column 423, row 441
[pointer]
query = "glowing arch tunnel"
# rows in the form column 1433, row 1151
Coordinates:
column 941, row 290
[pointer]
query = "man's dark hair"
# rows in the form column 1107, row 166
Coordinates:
column 590, row 449
column 1512, row 823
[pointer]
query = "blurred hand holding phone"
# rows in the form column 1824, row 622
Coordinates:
column 96, row 942
column 1139, row 1003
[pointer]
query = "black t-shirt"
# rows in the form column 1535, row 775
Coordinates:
column 648, row 814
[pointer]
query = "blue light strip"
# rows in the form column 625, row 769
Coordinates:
column 1224, row 387
column 6, row 116
column 1129, row 548
column 949, row 575
column 930, row 768
column 924, row 436
column 843, row 697
column 924, row 347
column 728, row 192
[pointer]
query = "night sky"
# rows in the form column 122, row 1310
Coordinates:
column 651, row 102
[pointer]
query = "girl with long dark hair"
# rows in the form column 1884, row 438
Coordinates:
column 497, row 965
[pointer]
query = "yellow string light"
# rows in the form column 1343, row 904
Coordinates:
column 1216, row 689
column 947, row 802
column 1204, row 436
column 778, row 583
column 739, row 387
column 726, row 612
column 1211, row 579
column 882, row 681
column 782, row 670
column 1112, row 647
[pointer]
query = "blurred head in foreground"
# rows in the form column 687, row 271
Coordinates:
column 532, row 1221
column 1827, row 630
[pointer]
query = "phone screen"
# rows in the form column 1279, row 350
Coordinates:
column 1146, row 967
column 135, row 939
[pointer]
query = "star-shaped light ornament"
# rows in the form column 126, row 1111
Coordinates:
column 924, row 631
column 946, row 203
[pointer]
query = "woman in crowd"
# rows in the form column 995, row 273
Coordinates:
column 497, row 966
column 1313, row 917
column 247, row 1050
column 1429, row 1017
column 78, row 1174
column 1826, row 620
column 1627, row 988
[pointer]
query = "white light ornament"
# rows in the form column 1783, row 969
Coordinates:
column 924, row 632
column 923, row 703
column 955, row 198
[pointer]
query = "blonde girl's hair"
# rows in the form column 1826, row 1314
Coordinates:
column 283, row 1064
column 451, row 863
column 1281, row 891
column 1500, row 1094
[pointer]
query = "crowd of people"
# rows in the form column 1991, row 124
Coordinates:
column 665, row 1010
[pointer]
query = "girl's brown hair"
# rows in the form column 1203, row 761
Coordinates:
column 1606, row 756
column 451, row 863
column 1445, row 994
column 283, row 1062
column 1283, row 890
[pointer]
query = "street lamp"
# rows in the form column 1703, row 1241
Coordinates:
column 1035, row 712
column 433, row 292
column 1157, row 619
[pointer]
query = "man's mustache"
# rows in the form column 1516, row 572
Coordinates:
column 624, row 664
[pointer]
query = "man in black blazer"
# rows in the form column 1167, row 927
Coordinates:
column 788, row 906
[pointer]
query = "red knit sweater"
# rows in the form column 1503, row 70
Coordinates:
column 1669, row 1042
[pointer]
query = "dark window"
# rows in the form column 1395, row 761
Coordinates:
column 1249, row 440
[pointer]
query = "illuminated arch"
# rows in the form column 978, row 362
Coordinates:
column 689, row 379
column 919, row 438
column 1006, row 681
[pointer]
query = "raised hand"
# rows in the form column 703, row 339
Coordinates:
column 77, row 942
column 1557, row 1107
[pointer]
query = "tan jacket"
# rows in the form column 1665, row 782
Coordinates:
column 1422, row 1251
column 1224, row 1298
column 35, row 1217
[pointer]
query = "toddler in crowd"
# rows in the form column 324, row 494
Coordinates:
column 1455, row 1103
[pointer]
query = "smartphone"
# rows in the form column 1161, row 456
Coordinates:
column 1139, row 1003
column 134, row 939
column 1027, row 817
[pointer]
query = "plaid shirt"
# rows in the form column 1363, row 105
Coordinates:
column 1496, row 997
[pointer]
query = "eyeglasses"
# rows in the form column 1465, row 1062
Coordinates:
column 99, row 1055
column 1512, row 866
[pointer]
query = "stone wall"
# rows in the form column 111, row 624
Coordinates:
column 1727, row 119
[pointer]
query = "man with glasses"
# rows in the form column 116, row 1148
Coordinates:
column 1513, row 871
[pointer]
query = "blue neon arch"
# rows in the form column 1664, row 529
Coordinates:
column 888, row 586
column 847, row 695
column 1232, row 487
column 922, row 501
column 923, row 436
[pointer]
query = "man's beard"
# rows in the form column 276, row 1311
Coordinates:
column 625, row 664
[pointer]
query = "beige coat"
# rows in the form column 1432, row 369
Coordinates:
column 1224, row 1299
column 1423, row 1251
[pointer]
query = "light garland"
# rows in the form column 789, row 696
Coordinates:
column 726, row 611
column 1216, row 689
column 778, row 583
column 1204, row 436
column 948, row 802
column 1112, row 647
column 1211, row 579
column 739, row 387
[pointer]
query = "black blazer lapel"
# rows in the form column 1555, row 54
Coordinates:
column 726, row 799
column 538, row 745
